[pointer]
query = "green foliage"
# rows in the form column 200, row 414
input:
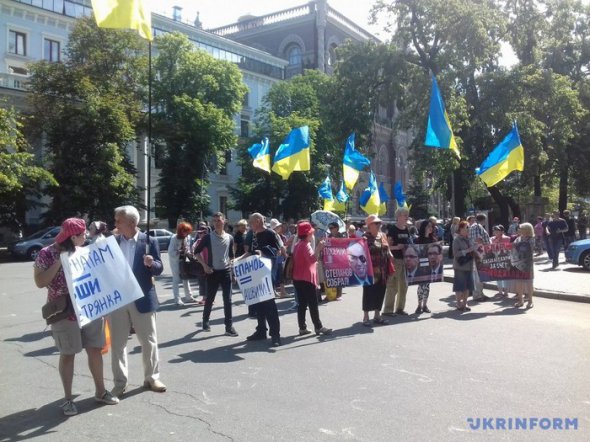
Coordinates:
column 20, row 175
column 88, row 108
column 196, row 99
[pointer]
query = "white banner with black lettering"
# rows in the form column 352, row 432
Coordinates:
column 99, row 279
column 254, row 278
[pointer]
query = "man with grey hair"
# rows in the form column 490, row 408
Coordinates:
column 265, row 243
column 397, row 286
column 143, row 257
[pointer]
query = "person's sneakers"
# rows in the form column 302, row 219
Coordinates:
column 231, row 332
column 179, row 302
column 387, row 314
column 107, row 398
column 304, row 331
column 418, row 310
column 426, row 309
column 401, row 312
column 69, row 408
column 323, row 331
column 155, row 385
column 276, row 341
column 257, row 336
column 206, row 327
column 119, row 391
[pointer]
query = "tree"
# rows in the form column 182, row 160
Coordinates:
column 196, row 99
column 88, row 108
column 289, row 104
column 20, row 175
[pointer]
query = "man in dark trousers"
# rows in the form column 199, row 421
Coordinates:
column 220, row 253
column 265, row 243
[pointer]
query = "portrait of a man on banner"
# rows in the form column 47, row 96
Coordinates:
column 346, row 262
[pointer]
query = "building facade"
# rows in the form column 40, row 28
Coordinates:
column 33, row 30
column 267, row 50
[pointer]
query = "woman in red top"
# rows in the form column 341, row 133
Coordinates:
column 305, row 279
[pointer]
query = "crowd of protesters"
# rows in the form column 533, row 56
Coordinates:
column 295, row 251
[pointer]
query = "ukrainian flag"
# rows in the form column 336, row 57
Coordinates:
column 293, row 154
column 505, row 158
column 339, row 204
column 398, row 192
column 439, row 132
column 124, row 14
column 260, row 154
column 353, row 163
column 383, row 198
column 325, row 189
column 369, row 200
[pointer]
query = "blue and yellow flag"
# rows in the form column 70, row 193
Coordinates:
column 439, row 132
column 293, row 154
column 260, row 154
column 505, row 158
column 341, row 195
column 369, row 199
column 383, row 198
column 325, row 189
column 124, row 14
column 398, row 192
column 353, row 163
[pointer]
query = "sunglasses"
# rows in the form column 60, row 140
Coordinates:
column 361, row 258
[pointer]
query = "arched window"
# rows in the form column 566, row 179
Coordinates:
column 294, row 55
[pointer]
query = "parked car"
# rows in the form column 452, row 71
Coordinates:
column 163, row 237
column 578, row 253
column 29, row 247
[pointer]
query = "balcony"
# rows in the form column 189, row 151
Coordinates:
column 11, row 81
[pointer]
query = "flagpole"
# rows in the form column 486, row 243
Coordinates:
column 149, row 153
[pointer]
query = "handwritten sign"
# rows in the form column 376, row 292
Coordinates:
column 254, row 278
column 99, row 279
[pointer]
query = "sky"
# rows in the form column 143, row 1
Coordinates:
column 215, row 13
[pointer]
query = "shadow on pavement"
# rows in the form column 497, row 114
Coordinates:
column 43, row 421
column 30, row 337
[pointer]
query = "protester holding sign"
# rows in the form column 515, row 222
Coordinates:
column 265, row 243
column 425, row 236
column 381, row 261
column 305, row 279
column 69, row 337
column 463, row 250
column 143, row 256
column 521, row 258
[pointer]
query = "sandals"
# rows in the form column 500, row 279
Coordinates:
column 518, row 304
column 367, row 323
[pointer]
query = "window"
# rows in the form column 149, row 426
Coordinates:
column 244, row 128
column 246, row 100
column 294, row 55
column 51, row 51
column 223, row 205
column 17, row 43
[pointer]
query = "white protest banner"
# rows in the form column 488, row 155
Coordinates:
column 99, row 279
column 254, row 278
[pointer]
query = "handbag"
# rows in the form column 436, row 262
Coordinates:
column 191, row 269
column 57, row 309
column 462, row 260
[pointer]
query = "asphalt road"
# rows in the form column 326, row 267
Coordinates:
column 414, row 379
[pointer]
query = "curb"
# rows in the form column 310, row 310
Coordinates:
column 538, row 292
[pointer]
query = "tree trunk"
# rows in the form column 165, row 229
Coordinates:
column 459, row 209
column 563, row 180
column 502, row 203
column 537, row 184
